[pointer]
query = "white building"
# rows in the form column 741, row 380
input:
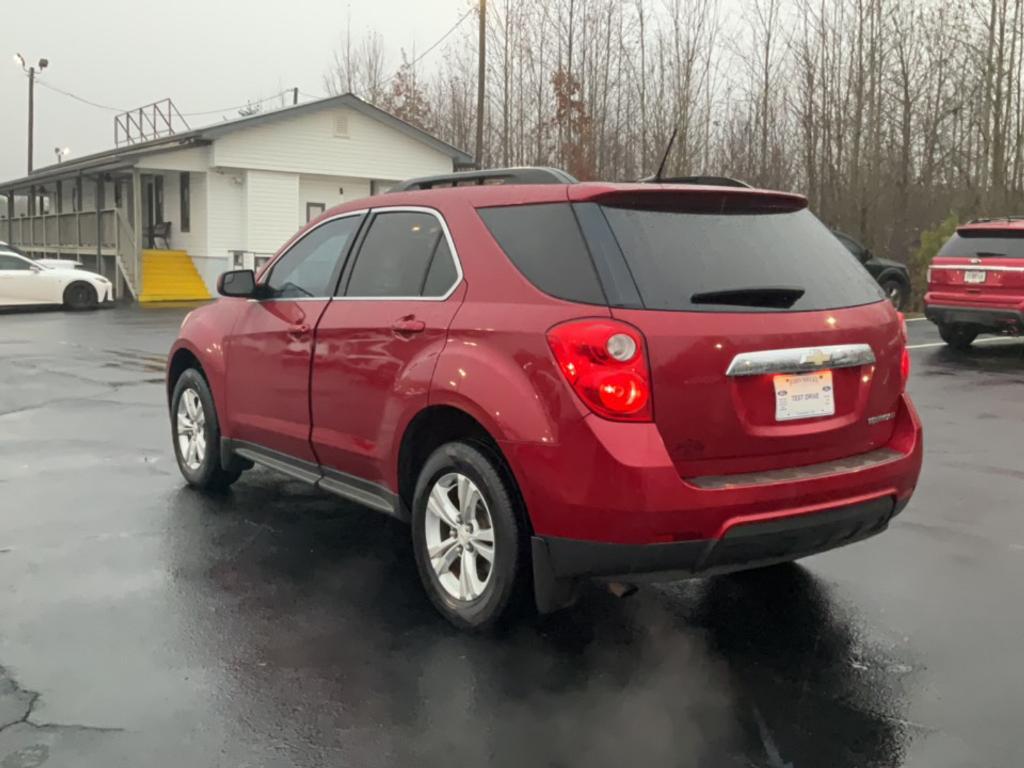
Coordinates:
column 212, row 198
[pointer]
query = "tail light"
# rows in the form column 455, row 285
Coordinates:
column 605, row 362
column 928, row 275
column 904, row 353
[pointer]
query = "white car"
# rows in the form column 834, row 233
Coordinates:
column 27, row 282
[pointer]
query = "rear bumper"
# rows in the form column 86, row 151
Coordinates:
column 1003, row 319
column 615, row 483
column 747, row 545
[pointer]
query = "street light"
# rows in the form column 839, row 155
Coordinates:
column 61, row 152
column 31, row 72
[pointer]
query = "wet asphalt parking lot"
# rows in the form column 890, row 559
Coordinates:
column 144, row 624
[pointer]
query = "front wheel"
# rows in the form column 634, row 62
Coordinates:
column 197, row 434
column 959, row 337
column 79, row 295
column 468, row 540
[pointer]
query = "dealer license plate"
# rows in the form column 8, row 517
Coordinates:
column 974, row 276
column 804, row 396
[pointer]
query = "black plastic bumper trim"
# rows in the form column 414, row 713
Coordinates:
column 1001, row 319
column 748, row 545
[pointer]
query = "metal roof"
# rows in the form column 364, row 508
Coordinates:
column 125, row 156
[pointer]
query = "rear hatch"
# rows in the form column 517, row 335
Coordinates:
column 769, row 344
column 981, row 265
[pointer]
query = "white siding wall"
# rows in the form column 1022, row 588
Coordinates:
column 194, row 159
column 329, row 190
column 271, row 205
column 225, row 222
column 309, row 144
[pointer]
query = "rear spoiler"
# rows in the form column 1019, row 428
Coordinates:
column 688, row 199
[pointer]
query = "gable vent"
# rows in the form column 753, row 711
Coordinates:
column 341, row 125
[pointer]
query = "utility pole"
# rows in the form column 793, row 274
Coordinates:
column 31, row 72
column 482, row 68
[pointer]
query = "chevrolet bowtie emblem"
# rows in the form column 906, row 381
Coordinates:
column 815, row 357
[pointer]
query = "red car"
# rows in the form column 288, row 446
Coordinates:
column 555, row 381
column 976, row 283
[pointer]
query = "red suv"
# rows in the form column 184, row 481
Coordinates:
column 554, row 381
column 976, row 283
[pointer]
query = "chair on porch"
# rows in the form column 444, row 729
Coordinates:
column 159, row 231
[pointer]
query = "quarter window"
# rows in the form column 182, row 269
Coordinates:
column 308, row 269
column 405, row 254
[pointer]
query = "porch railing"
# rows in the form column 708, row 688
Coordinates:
column 77, row 234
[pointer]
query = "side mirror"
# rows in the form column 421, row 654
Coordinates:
column 866, row 255
column 238, row 283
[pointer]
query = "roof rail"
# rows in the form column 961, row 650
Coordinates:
column 709, row 181
column 989, row 219
column 527, row 175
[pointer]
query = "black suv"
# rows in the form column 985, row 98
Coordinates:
column 891, row 275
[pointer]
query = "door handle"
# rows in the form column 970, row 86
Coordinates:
column 408, row 324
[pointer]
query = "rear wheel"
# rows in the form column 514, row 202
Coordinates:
column 80, row 295
column 896, row 292
column 197, row 434
column 468, row 541
column 959, row 337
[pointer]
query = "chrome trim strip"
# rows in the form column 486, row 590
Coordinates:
column 268, row 268
column 857, row 463
column 800, row 359
column 977, row 267
column 451, row 246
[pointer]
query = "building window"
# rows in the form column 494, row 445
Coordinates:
column 76, row 195
column 313, row 210
column 186, row 203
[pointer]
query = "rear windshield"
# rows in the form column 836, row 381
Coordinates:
column 755, row 262
column 1007, row 244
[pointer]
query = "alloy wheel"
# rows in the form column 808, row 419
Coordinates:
column 191, row 429
column 459, row 537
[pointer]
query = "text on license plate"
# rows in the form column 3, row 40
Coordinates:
column 804, row 396
column 974, row 276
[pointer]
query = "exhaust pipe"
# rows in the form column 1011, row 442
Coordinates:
column 620, row 589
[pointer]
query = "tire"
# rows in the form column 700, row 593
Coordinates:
column 195, row 434
column 959, row 337
column 896, row 291
column 79, row 296
column 505, row 578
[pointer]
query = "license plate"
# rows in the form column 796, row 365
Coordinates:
column 974, row 276
column 804, row 396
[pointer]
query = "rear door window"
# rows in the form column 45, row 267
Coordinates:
column 749, row 261
column 544, row 242
column 986, row 243
column 405, row 254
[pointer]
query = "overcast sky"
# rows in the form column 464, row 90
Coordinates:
column 203, row 54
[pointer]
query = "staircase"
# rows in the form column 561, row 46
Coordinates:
column 170, row 276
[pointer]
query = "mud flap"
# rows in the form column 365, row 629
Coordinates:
column 550, row 593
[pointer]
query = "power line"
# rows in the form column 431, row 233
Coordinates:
column 61, row 91
column 442, row 38
column 412, row 63
column 108, row 108
column 237, row 107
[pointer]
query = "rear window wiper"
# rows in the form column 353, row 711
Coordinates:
column 773, row 298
